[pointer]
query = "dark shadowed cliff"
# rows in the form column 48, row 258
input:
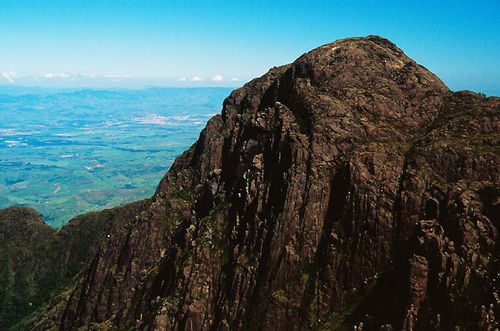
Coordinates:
column 36, row 261
column 350, row 188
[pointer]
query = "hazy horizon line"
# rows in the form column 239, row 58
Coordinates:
column 112, row 87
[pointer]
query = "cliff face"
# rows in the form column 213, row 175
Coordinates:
column 349, row 188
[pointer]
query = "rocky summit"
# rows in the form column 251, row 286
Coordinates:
column 350, row 189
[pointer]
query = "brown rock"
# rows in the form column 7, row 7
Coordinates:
column 351, row 168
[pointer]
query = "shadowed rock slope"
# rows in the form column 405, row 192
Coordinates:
column 36, row 261
column 350, row 188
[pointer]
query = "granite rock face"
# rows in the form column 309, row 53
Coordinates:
column 349, row 189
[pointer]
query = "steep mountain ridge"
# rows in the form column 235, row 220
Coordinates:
column 37, row 261
column 349, row 188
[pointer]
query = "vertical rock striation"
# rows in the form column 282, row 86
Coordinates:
column 350, row 188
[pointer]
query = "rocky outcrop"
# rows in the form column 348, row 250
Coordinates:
column 349, row 189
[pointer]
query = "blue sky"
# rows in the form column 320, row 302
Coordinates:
column 225, row 43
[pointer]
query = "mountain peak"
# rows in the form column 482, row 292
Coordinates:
column 347, row 189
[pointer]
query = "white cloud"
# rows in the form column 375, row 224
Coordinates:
column 196, row 79
column 235, row 79
column 182, row 79
column 9, row 76
column 113, row 75
column 217, row 78
column 56, row 75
